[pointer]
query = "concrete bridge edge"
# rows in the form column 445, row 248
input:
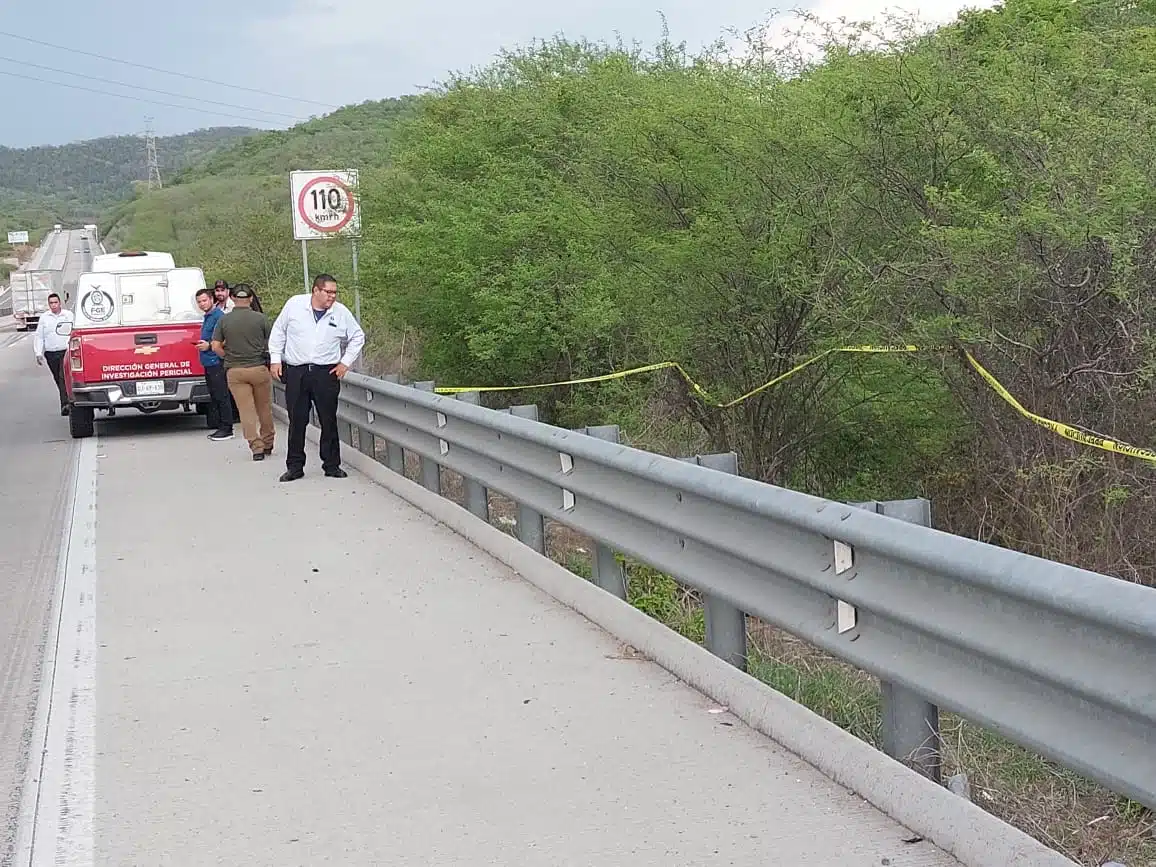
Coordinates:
column 972, row 835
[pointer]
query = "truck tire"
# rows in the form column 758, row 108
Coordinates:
column 81, row 422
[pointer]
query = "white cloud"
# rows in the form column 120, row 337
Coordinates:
column 349, row 50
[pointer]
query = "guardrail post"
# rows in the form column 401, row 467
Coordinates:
column 431, row 473
column 365, row 441
column 394, row 456
column 477, row 497
column 531, row 527
column 910, row 722
column 726, row 625
column 605, row 568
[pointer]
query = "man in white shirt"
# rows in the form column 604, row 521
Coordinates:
column 314, row 342
column 52, row 347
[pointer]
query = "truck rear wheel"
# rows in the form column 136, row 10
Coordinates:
column 81, row 422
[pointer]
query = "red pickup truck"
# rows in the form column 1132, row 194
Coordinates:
column 133, row 342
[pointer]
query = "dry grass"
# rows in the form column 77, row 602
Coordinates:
column 1061, row 809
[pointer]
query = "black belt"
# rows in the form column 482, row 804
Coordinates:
column 326, row 367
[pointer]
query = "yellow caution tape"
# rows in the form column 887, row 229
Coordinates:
column 1058, row 427
column 674, row 365
column 808, row 363
column 1064, row 430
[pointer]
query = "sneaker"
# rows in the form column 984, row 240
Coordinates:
column 221, row 435
column 337, row 473
column 258, row 456
column 64, row 410
column 292, row 475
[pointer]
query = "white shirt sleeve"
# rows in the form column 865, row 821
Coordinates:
column 356, row 340
column 38, row 337
column 278, row 333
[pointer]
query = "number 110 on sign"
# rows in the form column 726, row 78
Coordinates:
column 324, row 204
column 330, row 198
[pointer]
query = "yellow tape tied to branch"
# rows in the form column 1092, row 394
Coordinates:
column 1058, row 427
column 674, row 365
column 1066, row 431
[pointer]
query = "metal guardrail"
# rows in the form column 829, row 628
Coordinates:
column 1055, row 658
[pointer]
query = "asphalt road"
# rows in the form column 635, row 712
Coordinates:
column 36, row 462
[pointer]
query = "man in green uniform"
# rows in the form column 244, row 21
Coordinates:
column 242, row 340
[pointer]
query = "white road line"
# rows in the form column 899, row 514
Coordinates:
column 56, row 810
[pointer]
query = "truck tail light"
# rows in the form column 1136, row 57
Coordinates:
column 75, row 359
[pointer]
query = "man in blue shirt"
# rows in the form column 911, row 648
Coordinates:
column 221, row 408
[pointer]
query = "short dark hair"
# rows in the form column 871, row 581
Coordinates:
column 321, row 279
column 53, row 295
column 205, row 291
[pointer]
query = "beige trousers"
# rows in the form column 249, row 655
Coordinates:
column 252, row 389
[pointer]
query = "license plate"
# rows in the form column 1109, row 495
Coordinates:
column 154, row 387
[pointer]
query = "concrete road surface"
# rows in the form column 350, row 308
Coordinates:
column 317, row 673
column 36, row 456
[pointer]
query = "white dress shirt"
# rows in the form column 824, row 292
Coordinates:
column 46, row 339
column 298, row 337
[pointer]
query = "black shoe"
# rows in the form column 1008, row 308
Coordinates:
column 292, row 475
column 337, row 473
column 258, row 456
column 220, row 436
column 64, row 410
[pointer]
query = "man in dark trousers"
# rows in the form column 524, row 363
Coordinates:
column 315, row 341
column 51, row 346
column 215, row 379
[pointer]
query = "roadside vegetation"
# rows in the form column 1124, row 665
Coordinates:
column 576, row 209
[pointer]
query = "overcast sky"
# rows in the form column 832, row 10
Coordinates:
column 333, row 52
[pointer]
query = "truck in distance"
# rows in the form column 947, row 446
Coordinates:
column 30, row 291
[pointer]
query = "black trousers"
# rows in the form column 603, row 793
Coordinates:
column 222, row 398
column 55, row 359
column 310, row 386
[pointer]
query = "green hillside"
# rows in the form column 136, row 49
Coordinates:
column 41, row 185
column 229, row 213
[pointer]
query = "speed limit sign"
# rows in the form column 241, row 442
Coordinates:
column 324, row 204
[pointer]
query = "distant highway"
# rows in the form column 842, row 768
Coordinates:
column 63, row 251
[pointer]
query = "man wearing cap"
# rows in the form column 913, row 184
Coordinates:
column 242, row 339
column 221, row 298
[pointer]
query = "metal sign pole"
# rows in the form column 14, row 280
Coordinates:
column 356, row 285
column 305, row 261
